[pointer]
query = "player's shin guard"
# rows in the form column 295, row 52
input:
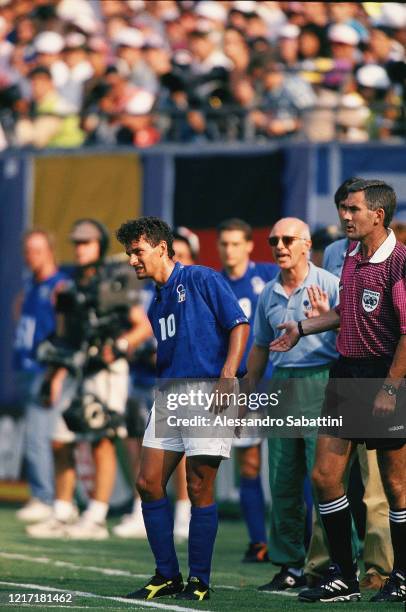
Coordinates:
column 336, row 518
column 202, row 535
column 158, row 519
column 253, row 508
column 397, row 522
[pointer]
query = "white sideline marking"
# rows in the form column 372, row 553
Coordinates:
column 100, row 570
column 283, row 593
column 131, row 602
column 71, row 607
column 228, row 587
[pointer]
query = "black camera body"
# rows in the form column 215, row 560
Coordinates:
column 88, row 414
column 95, row 312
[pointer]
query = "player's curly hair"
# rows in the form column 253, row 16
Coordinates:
column 152, row 229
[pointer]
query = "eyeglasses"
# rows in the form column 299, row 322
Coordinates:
column 286, row 240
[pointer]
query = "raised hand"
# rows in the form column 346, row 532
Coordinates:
column 287, row 340
column 318, row 300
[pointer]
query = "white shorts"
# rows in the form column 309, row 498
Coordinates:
column 246, row 442
column 216, row 447
column 110, row 385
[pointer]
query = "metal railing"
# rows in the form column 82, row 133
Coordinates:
column 232, row 123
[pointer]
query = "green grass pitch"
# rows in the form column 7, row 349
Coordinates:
column 98, row 572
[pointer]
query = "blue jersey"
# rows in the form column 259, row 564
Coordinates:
column 37, row 321
column 192, row 316
column 247, row 289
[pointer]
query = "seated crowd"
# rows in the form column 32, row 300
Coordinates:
column 74, row 72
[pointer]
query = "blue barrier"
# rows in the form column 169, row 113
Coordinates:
column 14, row 180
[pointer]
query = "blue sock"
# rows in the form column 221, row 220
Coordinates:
column 253, row 508
column 158, row 519
column 202, row 535
column 308, row 499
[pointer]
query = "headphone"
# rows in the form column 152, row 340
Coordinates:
column 104, row 239
column 191, row 239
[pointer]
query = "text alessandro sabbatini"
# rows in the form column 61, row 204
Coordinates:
column 267, row 421
column 251, row 402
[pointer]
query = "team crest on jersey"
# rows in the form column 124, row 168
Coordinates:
column 257, row 284
column 181, row 291
column 370, row 300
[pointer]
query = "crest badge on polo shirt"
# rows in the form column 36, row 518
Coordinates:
column 370, row 300
column 307, row 307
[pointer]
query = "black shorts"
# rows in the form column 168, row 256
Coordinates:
column 350, row 394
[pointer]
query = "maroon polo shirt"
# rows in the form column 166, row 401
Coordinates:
column 372, row 304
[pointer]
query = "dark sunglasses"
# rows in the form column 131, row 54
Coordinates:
column 287, row 241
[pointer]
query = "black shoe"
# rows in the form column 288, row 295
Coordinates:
column 158, row 586
column 333, row 588
column 394, row 588
column 256, row 553
column 284, row 581
column 314, row 580
column 195, row 589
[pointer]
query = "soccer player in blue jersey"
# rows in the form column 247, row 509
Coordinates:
column 201, row 333
column 247, row 279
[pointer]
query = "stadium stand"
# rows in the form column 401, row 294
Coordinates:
column 138, row 73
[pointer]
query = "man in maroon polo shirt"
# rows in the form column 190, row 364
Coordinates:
column 372, row 345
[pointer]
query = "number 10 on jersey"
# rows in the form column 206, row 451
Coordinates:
column 168, row 327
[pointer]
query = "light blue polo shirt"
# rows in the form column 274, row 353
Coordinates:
column 275, row 307
column 334, row 255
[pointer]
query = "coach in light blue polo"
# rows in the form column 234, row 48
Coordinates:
column 299, row 289
column 276, row 307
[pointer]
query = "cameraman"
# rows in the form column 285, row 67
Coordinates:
column 104, row 380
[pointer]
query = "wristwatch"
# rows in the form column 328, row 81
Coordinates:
column 300, row 329
column 390, row 389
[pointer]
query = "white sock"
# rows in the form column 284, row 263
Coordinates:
column 137, row 509
column 96, row 511
column 62, row 509
column 295, row 571
column 182, row 510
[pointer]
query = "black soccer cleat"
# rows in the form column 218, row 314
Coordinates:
column 394, row 588
column 158, row 586
column 283, row 581
column 195, row 589
column 256, row 553
column 333, row 588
